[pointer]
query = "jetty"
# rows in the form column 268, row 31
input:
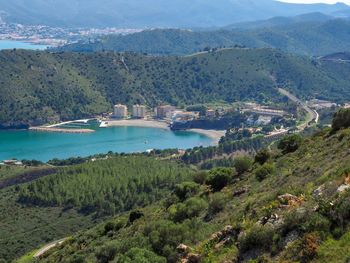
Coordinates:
column 60, row 130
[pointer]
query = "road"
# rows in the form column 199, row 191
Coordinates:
column 46, row 248
column 312, row 115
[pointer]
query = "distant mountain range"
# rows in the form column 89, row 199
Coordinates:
column 314, row 34
column 154, row 13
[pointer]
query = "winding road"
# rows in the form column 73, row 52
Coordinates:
column 312, row 115
column 46, row 248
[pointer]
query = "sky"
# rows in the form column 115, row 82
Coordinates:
column 316, row 1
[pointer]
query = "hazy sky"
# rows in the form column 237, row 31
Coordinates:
column 316, row 1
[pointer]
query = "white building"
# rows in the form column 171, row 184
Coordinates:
column 120, row 111
column 139, row 111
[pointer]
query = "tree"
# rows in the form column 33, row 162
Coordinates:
column 341, row 119
column 186, row 190
column 262, row 156
column 290, row 143
column 263, row 171
column 220, row 177
column 242, row 164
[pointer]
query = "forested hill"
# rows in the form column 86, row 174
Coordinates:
column 38, row 87
column 288, row 204
column 317, row 36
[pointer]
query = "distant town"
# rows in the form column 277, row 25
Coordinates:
column 55, row 36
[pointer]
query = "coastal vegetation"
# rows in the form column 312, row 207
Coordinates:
column 286, row 205
column 43, row 87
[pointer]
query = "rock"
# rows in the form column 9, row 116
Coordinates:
column 239, row 192
column 289, row 200
column 318, row 192
column 290, row 238
column 183, row 250
column 193, row 258
column 343, row 188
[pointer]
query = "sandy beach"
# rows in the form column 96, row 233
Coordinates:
column 215, row 135
column 139, row 123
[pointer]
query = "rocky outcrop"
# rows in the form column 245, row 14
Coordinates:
column 290, row 201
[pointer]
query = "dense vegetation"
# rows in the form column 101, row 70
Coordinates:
column 78, row 196
column 317, row 37
column 290, row 205
column 107, row 187
column 41, row 87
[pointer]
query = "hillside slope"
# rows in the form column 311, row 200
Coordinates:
column 39, row 87
column 291, row 205
column 316, row 36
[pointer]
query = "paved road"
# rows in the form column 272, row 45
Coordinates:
column 312, row 114
column 46, row 248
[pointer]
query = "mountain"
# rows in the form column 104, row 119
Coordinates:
column 313, row 34
column 41, row 87
column 153, row 13
column 287, row 204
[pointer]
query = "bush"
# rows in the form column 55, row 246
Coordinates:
column 242, row 164
column 186, row 190
column 264, row 171
column 139, row 255
column 259, row 237
column 219, row 178
column 217, row 203
column 290, row 143
column 189, row 209
column 200, row 177
column 341, row 119
column 135, row 215
column 262, row 156
column 106, row 253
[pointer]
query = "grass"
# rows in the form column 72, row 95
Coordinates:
column 334, row 250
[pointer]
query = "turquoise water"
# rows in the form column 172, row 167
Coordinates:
column 10, row 44
column 45, row 146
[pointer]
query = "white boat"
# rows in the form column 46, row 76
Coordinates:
column 104, row 124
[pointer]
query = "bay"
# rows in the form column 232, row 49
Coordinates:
column 45, row 146
column 11, row 44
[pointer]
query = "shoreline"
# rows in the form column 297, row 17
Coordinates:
column 138, row 123
column 215, row 135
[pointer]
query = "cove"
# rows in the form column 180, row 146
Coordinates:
column 44, row 146
column 11, row 44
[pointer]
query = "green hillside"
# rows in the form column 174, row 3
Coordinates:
column 289, row 204
column 316, row 36
column 78, row 197
column 41, row 87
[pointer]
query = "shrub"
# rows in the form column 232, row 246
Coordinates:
column 189, row 209
column 242, row 164
column 186, row 190
column 262, row 156
column 200, row 177
column 341, row 119
column 219, row 178
column 139, row 255
column 217, row 203
column 106, row 253
column 264, row 171
column 290, row 143
column 135, row 215
column 259, row 237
